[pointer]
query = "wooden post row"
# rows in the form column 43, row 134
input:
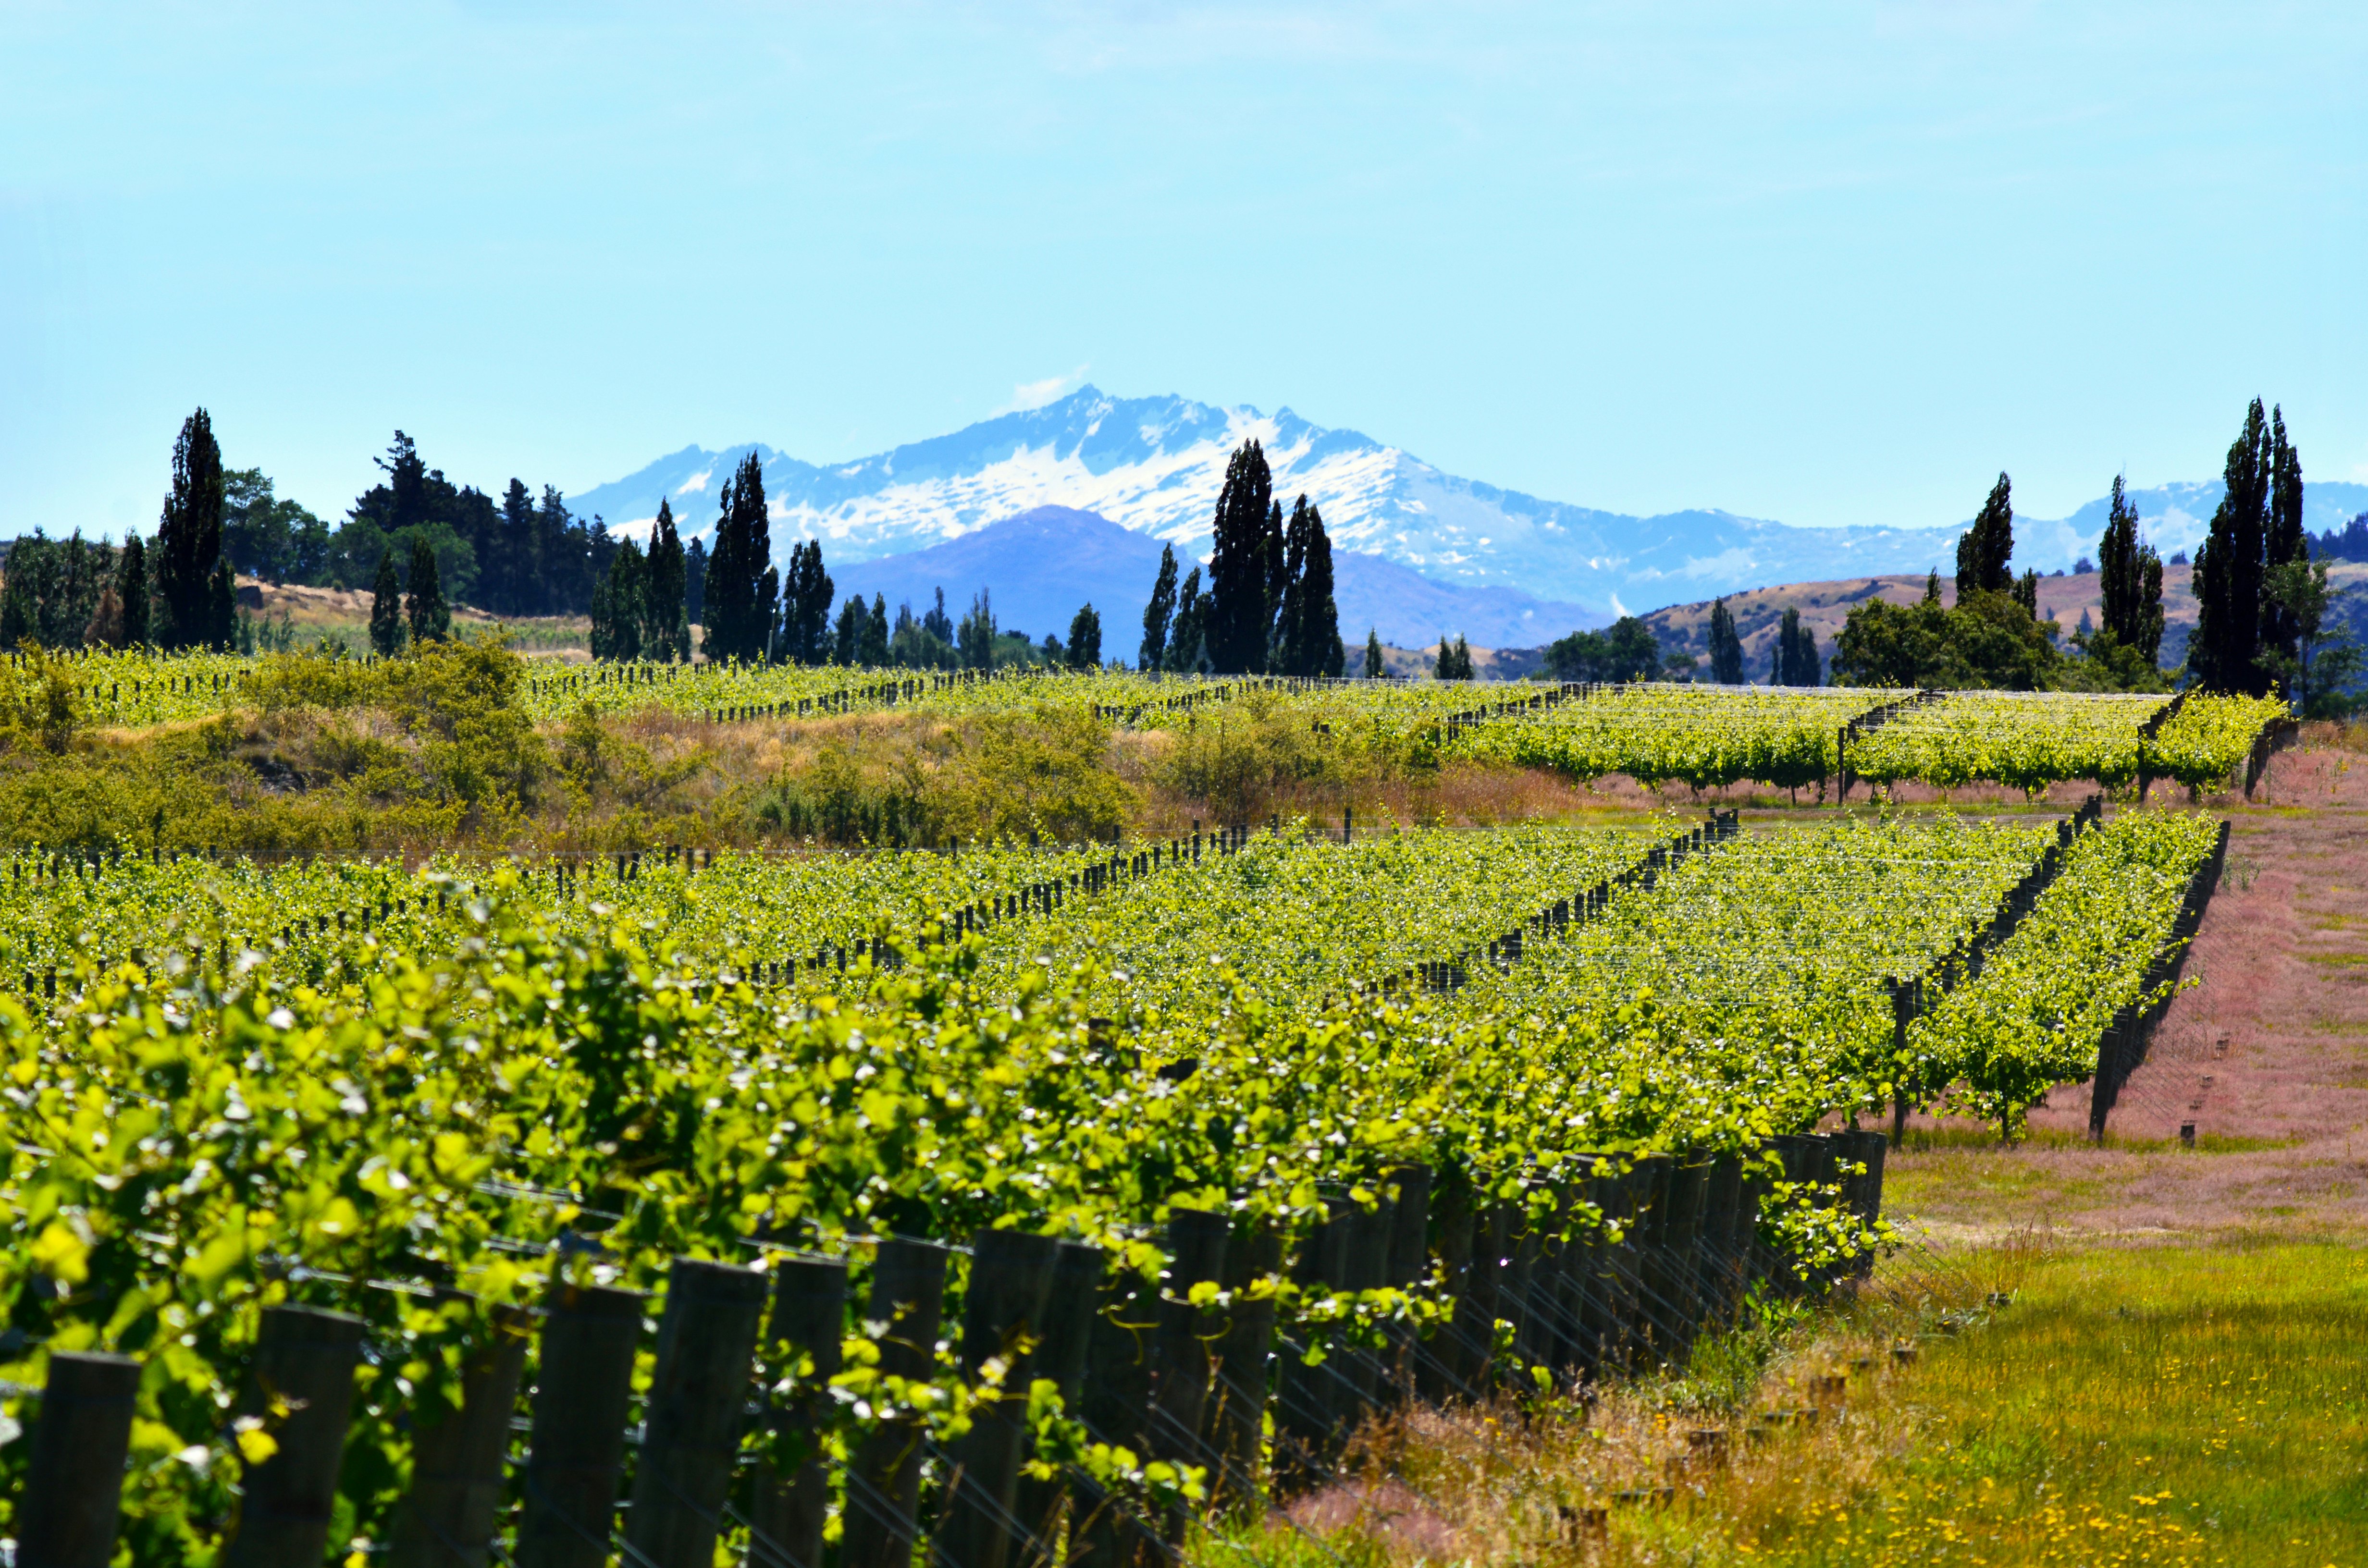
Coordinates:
column 1138, row 1363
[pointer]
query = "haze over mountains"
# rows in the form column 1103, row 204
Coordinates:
column 1420, row 552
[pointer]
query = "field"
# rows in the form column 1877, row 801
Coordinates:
column 1371, row 1108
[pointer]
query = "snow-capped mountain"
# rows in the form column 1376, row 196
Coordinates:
column 1155, row 465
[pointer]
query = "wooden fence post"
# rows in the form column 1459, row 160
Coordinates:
column 698, row 1391
column 455, row 1504
column 304, row 1357
column 575, row 1445
column 1069, row 1309
column 1303, row 1422
column 1180, row 1353
column 789, row 1508
column 1010, row 1279
column 74, row 1480
column 1442, row 1367
column 1237, row 1397
column 1409, row 1262
column 883, row 1478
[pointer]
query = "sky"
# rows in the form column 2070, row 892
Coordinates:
column 1828, row 263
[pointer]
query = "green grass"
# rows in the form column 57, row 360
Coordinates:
column 2167, row 1406
column 2172, row 1405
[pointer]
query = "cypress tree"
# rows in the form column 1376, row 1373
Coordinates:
column 2225, row 652
column 188, row 536
column 1315, row 620
column 1462, row 658
column 1726, row 646
column 1085, row 639
column 2129, row 578
column 1158, row 613
column 430, row 616
column 1240, row 615
column 386, row 609
column 131, row 588
column 665, row 613
column 874, row 653
column 1984, row 549
column 1375, row 666
column 737, row 624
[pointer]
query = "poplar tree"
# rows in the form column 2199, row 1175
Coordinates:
column 1376, row 668
column 847, row 645
column 1158, row 613
column 1240, row 617
column 2284, row 541
column 737, row 625
column 666, row 609
column 188, row 537
column 2224, row 652
column 131, row 588
column 806, row 606
column 1084, row 649
column 1984, row 549
column 874, row 654
column 430, row 616
column 1187, row 635
column 1307, row 629
column 1794, row 661
column 2129, row 579
column 1726, row 646
column 386, row 609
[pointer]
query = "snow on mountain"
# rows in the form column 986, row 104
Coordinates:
column 1155, row 466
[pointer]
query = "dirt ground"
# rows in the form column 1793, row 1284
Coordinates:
column 2266, row 1052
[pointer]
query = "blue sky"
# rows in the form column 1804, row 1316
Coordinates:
column 1826, row 264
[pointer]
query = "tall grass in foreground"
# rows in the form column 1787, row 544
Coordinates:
column 2163, row 1406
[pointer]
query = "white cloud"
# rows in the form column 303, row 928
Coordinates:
column 1026, row 395
column 697, row 481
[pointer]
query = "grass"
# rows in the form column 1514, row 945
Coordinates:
column 2178, row 1404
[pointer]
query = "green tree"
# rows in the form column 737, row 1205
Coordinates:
column 221, row 608
column 1240, row 617
column 1375, row 666
column 1306, row 639
column 2285, row 542
column 2326, row 658
column 1726, row 646
column 1627, row 651
column 665, row 612
column 846, row 642
column 806, row 606
column 430, row 617
column 873, row 654
column 132, row 589
column 2026, row 593
column 974, row 640
column 1932, row 586
column 620, row 616
column 1984, row 549
column 189, row 537
column 1794, row 661
column 737, row 624
column 1986, row 640
column 1158, row 613
column 386, row 609
column 1085, row 639
column 1188, row 637
column 2129, row 578
column 2224, row 652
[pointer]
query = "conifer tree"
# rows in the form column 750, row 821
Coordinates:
column 737, row 626
column 1726, row 646
column 1462, row 658
column 1241, row 616
column 188, row 537
column 429, row 616
column 1084, row 649
column 386, row 609
column 2026, row 592
column 132, row 589
column 1795, row 661
column 665, row 612
column 976, row 637
column 621, row 612
column 874, row 653
column 806, row 606
column 1309, row 628
column 1158, row 613
column 2224, row 654
column 1984, row 549
column 1375, row 668
column 1932, row 586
